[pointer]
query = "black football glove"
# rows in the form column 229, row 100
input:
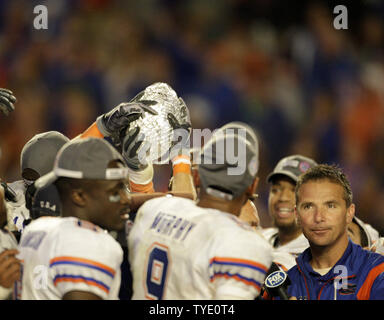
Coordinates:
column 135, row 150
column 9, row 194
column 112, row 123
column 7, row 99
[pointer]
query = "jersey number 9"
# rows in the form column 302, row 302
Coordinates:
column 156, row 273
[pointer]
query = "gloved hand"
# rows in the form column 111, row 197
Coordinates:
column 186, row 125
column 7, row 99
column 135, row 149
column 181, row 132
column 9, row 194
column 112, row 123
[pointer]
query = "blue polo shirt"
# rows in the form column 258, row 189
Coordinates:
column 358, row 275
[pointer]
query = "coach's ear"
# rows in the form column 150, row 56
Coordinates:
column 78, row 197
column 350, row 213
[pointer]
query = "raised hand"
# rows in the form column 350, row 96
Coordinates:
column 7, row 99
column 135, row 149
column 118, row 119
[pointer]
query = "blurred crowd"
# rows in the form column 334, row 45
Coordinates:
column 277, row 65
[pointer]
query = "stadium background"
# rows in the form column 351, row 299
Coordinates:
column 280, row 66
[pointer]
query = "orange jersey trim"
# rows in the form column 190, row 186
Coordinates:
column 87, row 281
column 237, row 278
column 365, row 290
column 99, row 265
column 239, row 261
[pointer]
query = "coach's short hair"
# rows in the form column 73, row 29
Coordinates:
column 326, row 172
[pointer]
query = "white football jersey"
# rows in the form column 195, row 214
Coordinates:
column 179, row 251
column 286, row 254
column 66, row 254
column 17, row 212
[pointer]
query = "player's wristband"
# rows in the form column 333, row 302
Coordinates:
column 181, row 163
column 141, row 177
column 142, row 188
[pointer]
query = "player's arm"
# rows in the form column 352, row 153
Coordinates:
column 182, row 180
column 113, row 124
column 136, row 200
column 135, row 151
column 81, row 295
